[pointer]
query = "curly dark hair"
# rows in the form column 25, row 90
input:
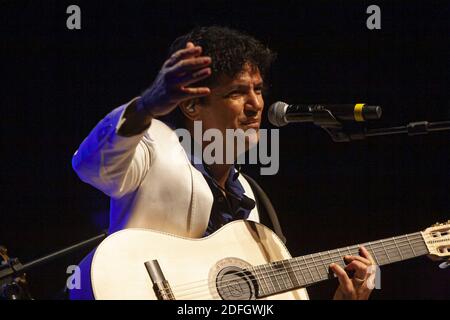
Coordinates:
column 229, row 50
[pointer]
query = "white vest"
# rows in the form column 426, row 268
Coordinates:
column 149, row 177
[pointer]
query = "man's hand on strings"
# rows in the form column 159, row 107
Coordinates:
column 355, row 279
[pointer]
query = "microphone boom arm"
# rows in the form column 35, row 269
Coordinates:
column 342, row 133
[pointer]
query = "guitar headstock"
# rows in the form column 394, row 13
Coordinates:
column 437, row 239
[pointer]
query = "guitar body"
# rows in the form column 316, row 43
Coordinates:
column 190, row 266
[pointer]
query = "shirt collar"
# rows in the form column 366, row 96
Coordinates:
column 232, row 184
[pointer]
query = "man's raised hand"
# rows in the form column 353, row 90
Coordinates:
column 172, row 84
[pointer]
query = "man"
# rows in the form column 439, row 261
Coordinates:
column 213, row 75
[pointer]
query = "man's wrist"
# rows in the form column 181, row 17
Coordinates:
column 136, row 119
column 142, row 108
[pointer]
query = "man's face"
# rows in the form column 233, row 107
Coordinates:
column 235, row 104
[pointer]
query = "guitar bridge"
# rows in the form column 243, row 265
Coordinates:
column 160, row 284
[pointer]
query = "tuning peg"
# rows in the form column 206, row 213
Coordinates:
column 444, row 265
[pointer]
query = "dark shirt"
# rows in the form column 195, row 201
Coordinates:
column 225, row 208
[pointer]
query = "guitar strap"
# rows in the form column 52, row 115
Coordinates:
column 262, row 200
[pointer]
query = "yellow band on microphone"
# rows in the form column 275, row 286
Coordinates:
column 358, row 112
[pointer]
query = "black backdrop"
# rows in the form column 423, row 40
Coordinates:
column 57, row 84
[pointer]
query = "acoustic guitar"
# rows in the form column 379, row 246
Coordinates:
column 241, row 261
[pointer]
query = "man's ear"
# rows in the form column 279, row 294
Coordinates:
column 190, row 109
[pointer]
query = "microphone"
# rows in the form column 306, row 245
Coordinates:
column 280, row 113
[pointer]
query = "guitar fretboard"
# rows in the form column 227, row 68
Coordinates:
column 286, row 275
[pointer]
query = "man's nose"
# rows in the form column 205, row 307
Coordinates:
column 254, row 102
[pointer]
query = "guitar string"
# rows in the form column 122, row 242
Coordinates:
column 204, row 294
column 278, row 272
column 246, row 291
column 335, row 254
column 299, row 266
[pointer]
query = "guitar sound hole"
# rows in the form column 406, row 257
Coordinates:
column 234, row 283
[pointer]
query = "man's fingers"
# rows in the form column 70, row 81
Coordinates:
column 189, row 93
column 191, row 64
column 359, row 269
column 190, row 78
column 348, row 259
column 343, row 278
column 366, row 254
column 188, row 52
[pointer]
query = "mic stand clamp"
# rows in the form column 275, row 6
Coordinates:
column 326, row 120
column 13, row 282
column 348, row 131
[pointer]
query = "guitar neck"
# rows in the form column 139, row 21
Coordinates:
column 290, row 274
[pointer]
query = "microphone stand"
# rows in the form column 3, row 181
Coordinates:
column 345, row 132
column 12, row 272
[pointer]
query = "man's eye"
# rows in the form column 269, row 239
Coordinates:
column 238, row 93
column 234, row 94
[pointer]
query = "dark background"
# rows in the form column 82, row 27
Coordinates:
column 57, row 84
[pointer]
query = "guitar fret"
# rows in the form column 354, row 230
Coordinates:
column 349, row 252
column 315, row 265
column 309, row 270
column 286, row 276
column 387, row 254
column 273, row 275
column 281, row 275
column 296, row 278
column 330, row 262
column 288, row 268
column 300, row 269
column 340, row 254
column 254, row 270
column 372, row 251
column 412, row 248
column 288, row 273
column 407, row 252
column 330, row 257
column 283, row 278
column 394, row 251
column 396, row 245
column 278, row 275
column 324, row 265
column 264, row 277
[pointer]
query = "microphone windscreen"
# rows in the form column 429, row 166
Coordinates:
column 277, row 114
